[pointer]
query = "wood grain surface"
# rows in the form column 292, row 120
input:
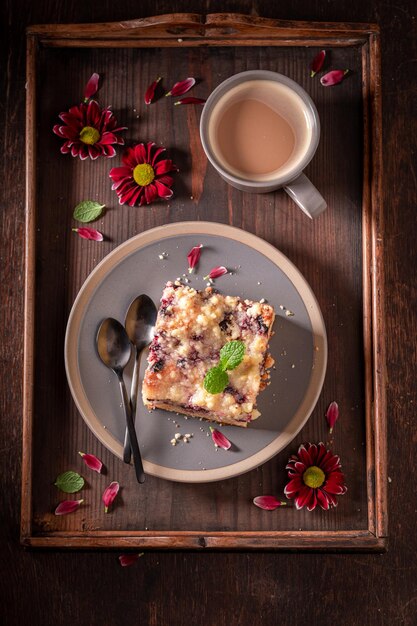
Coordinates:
column 218, row 588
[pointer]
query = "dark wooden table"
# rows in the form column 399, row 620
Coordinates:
column 221, row 588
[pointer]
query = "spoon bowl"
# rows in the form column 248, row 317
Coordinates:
column 114, row 349
column 140, row 324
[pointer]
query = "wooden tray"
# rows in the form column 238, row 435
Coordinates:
column 340, row 254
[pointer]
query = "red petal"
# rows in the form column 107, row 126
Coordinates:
column 89, row 233
column 156, row 154
column 182, row 87
column 190, row 101
column 293, row 486
column 332, row 414
column 317, row 63
column 150, row 92
column 67, row 506
column 129, row 559
column 193, row 257
column 303, row 497
column 151, row 193
column 140, row 153
column 109, row 495
column 216, row 272
column 333, row 78
column 162, row 167
column 304, row 455
column 322, row 499
column 163, row 191
column 91, row 87
column 219, row 439
column 268, row 503
column 91, row 461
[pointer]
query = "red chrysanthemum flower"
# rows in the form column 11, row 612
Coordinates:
column 89, row 131
column 315, row 477
column 144, row 177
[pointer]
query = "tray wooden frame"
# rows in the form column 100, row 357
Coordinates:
column 231, row 30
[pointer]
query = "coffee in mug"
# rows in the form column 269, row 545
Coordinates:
column 259, row 130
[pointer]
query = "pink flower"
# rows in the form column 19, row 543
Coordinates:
column 91, row 461
column 268, row 503
column 315, row 477
column 144, row 177
column 332, row 415
column 333, row 78
column 67, row 506
column 109, row 495
column 89, row 131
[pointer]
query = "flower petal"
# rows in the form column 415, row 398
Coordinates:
column 91, row 461
column 89, row 233
column 216, row 272
column 219, row 439
column 150, row 92
column 268, row 503
column 193, row 257
column 332, row 414
column 333, row 78
column 91, row 87
column 162, row 167
column 129, row 559
column 322, row 499
column 109, row 495
column 181, row 87
column 163, row 191
column 67, row 506
column 190, row 101
column 317, row 63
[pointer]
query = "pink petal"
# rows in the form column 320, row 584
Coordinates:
column 333, row 78
column 216, row 272
column 182, row 87
column 150, row 92
column 91, row 461
column 67, row 506
column 268, row 503
column 91, row 87
column 129, row 559
column 190, row 101
column 219, row 439
column 332, row 414
column 317, row 63
column 193, row 257
column 89, row 233
column 109, row 495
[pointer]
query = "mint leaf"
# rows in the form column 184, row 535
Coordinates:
column 216, row 380
column 231, row 355
column 69, row 482
column 88, row 211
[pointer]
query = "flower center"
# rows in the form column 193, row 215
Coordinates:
column 89, row 135
column 314, row 477
column 143, row 174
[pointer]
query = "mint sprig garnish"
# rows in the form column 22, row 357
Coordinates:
column 69, row 482
column 88, row 211
column 231, row 355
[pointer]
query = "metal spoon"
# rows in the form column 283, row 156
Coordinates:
column 114, row 349
column 139, row 324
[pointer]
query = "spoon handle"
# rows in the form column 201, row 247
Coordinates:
column 140, row 474
column 133, row 403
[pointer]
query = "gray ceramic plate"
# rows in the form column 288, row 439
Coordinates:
column 258, row 271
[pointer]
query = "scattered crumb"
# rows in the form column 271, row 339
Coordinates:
column 389, row 479
column 289, row 313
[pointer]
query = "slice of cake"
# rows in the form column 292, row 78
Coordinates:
column 191, row 328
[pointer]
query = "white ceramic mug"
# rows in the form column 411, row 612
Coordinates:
column 297, row 108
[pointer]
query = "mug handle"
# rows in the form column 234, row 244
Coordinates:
column 308, row 198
